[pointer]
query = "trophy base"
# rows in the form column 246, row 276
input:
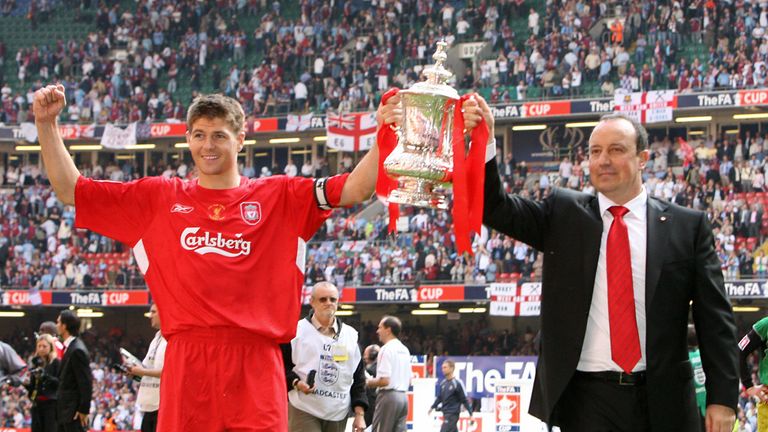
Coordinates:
column 419, row 193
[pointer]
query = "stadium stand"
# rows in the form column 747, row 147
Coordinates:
column 123, row 61
column 144, row 61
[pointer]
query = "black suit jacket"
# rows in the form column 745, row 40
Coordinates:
column 75, row 382
column 682, row 269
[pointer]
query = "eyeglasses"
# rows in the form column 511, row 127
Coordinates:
column 327, row 299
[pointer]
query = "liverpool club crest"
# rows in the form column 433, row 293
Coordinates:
column 250, row 212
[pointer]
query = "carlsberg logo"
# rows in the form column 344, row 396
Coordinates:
column 207, row 242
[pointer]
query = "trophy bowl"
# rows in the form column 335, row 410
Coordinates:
column 422, row 161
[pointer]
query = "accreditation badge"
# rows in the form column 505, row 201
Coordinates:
column 339, row 353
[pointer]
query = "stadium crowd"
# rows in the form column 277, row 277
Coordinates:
column 132, row 62
column 724, row 176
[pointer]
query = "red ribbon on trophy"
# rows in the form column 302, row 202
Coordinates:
column 468, row 174
column 387, row 141
column 468, row 178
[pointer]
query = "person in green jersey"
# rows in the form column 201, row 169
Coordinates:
column 756, row 338
column 698, row 371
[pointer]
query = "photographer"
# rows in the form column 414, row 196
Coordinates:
column 43, row 383
column 11, row 365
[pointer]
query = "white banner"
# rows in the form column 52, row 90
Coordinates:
column 298, row 122
column 29, row 132
column 116, row 138
column 651, row 107
column 509, row 299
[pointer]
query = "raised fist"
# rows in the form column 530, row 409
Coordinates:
column 48, row 103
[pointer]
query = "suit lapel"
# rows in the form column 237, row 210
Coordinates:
column 658, row 226
column 591, row 235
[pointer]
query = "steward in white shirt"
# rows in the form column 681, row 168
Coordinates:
column 393, row 376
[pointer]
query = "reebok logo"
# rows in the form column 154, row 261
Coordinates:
column 180, row 208
column 215, row 243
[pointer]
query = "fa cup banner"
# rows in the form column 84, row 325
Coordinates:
column 480, row 373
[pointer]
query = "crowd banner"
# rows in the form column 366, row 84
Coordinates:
column 647, row 107
column 351, row 131
column 117, row 138
column 512, row 299
column 298, row 123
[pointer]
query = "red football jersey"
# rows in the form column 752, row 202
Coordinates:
column 231, row 258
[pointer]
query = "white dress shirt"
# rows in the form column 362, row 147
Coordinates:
column 394, row 362
column 68, row 341
column 596, row 350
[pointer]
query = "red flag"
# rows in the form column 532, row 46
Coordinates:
column 387, row 140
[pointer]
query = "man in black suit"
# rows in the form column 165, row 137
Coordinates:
column 621, row 272
column 75, row 379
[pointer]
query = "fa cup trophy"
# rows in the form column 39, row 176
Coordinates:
column 422, row 162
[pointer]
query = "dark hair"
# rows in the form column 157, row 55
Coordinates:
column 392, row 323
column 70, row 321
column 217, row 106
column 641, row 143
column 373, row 353
column 49, row 327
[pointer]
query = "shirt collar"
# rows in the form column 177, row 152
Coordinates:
column 68, row 341
column 636, row 205
column 331, row 330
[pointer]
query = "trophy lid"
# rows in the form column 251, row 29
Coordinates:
column 437, row 76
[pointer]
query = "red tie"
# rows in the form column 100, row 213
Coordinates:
column 625, row 342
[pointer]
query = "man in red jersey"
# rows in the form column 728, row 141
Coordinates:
column 223, row 256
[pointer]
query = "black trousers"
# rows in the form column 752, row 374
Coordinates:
column 44, row 416
column 449, row 422
column 149, row 421
column 73, row 426
column 591, row 405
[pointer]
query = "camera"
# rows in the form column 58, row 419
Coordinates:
column 121, row 367
column 126, row 370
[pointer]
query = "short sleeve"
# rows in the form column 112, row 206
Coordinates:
column 160, row 355
column 313, row 200
column 121, row 211
column 384, row 364
column 761, row 328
